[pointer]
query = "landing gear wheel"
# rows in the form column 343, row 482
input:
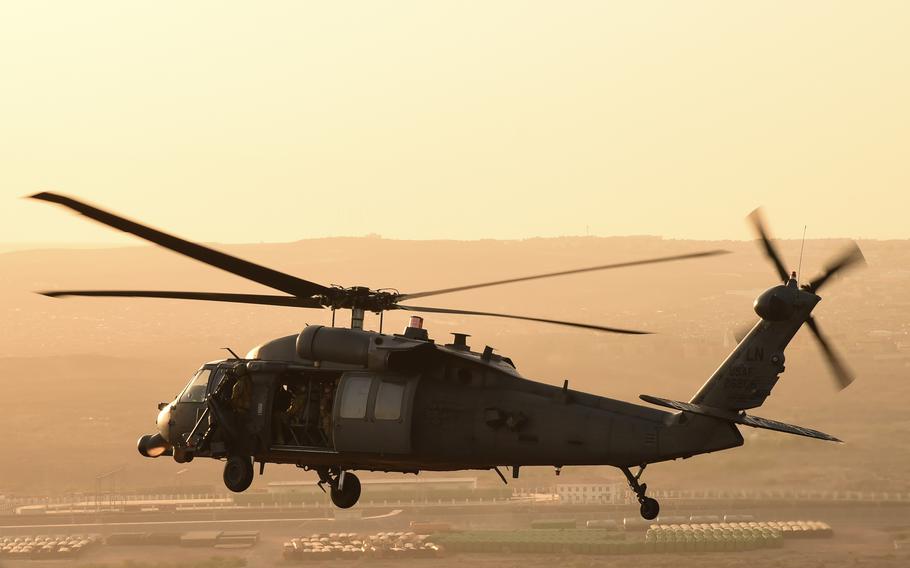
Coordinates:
column 650, row 508
column 345, row 491
column 238, row 473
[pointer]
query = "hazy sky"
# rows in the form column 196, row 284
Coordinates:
column 276, row 121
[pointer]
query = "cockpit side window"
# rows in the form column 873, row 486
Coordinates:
column 195, row 390
column 218, row 376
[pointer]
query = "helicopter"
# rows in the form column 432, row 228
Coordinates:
column 335, row 400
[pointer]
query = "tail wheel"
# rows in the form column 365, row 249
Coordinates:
column 238, row 473
column 346, row 491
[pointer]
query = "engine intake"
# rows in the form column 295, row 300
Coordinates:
column 336, row 344
column 366, row 349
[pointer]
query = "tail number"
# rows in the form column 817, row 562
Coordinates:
column 739, row 377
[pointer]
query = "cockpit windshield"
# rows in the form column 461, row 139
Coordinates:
column 195, row 390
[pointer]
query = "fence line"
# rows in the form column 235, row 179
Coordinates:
column 543, row 496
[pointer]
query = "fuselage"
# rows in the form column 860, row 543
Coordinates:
column 414, row 405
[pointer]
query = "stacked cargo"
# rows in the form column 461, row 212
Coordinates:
column 554, row 524
column 535, row 541
column 126, row 539
column 712, row 537
column 606, row 524
column 603, row 537
column 233, row 540
column 163, row 539
column 635, row 524
column 44, row 546
column 196, row 539
column 429, row 527
column 801, row 529
column 402, row 544
column 200, row 539
column 351, row 545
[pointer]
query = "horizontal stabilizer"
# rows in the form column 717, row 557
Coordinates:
column 738, row 418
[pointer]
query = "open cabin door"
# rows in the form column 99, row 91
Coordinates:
column 373, row 412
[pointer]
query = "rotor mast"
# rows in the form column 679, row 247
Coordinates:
column 357, row 315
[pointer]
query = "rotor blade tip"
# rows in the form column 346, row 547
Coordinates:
column 52, row 197
column 860, row 257
column 49, row 294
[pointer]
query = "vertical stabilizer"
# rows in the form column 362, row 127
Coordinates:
column 745, row 379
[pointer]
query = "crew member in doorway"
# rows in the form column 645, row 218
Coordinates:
column 281, row 415
column 325, row 410
column 242, row 391
column 298, row 404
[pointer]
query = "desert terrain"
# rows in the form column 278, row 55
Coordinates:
column 81, row 377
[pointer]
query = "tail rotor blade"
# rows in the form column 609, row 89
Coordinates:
column 851, row 256
column 839, row 369
column 758, row 224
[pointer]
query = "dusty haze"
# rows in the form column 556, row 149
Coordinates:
column 482, row 140
column 82, row 376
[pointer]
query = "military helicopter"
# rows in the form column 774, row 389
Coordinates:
column 336, row 400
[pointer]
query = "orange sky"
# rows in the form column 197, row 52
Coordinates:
column 242, row 121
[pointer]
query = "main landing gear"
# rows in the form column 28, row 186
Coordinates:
column 238, row 473
column 650, row 508
column 344, row 487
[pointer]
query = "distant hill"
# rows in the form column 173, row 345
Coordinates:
column 13, row 247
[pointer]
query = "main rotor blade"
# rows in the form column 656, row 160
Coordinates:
column 510, row 316
column 271, row 278
column 260, row 299
column 758, row 224
column 563, row 273
column 852, row 255
column 842, row 374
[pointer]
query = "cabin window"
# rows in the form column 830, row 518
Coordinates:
column 355, row 397
column 388, row 401
column 195, row 391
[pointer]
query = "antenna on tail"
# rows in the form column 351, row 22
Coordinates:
column 799, row 267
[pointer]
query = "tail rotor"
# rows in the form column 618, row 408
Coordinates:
column 851, row 257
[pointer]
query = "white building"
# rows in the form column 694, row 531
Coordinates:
column 591, row 493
